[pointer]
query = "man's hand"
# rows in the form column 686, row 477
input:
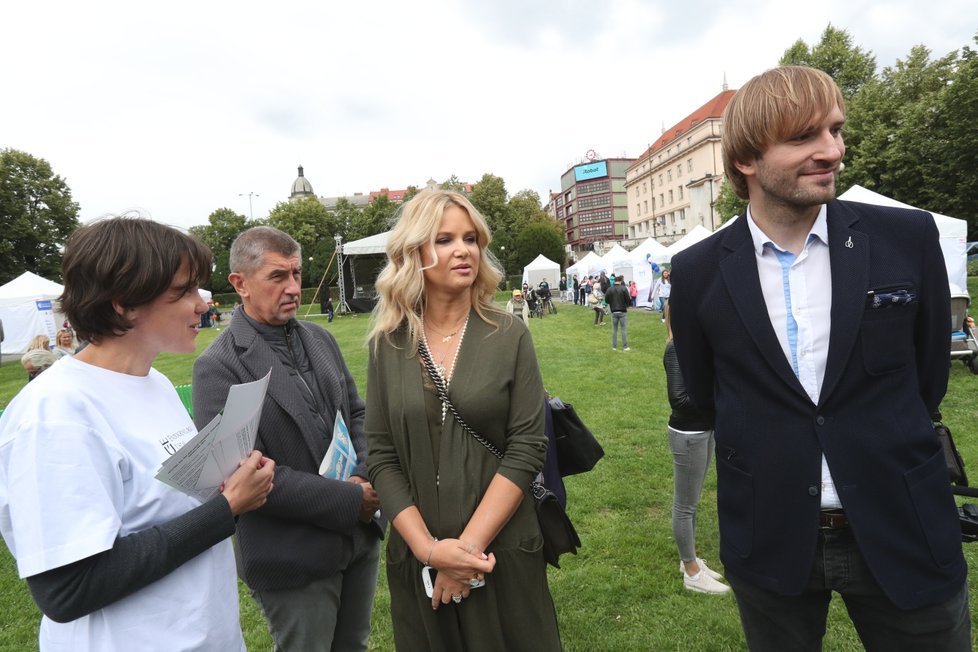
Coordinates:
column 371, row 502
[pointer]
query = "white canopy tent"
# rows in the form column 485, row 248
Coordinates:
column 585, row 267
column 649, row 251
column 698, row 233
column 539, row 269
column 27, row 308
column 373, row 244
column 953, row 234
column 618, row 261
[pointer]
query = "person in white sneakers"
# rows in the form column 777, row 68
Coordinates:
column 691, row 441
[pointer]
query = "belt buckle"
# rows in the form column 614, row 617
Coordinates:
column 832, row 519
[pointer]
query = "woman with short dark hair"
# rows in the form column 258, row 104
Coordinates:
column 114, row 558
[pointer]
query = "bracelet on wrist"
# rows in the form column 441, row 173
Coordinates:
column 434, row 541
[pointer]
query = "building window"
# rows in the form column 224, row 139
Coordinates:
column 680, row 192
column 669, row 174
column 644, row 187
column 660, row 179
column 638, row 209
column 679, row 171
column 636, row 191
column 670, row 197
column 662, row 200
column 594, row 202
column 646, row 206
column 689, row 164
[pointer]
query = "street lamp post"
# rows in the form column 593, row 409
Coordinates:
column 251, row 214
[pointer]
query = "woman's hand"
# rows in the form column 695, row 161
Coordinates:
column 248, row 487
column 457, row 563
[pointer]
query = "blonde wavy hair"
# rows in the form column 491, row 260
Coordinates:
column 400, row 285
column 770, row 108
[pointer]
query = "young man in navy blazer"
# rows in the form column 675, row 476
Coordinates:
column 817, row 330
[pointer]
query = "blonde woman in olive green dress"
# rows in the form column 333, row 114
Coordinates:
column 454, row 506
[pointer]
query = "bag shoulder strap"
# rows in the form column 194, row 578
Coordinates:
column 442, row 391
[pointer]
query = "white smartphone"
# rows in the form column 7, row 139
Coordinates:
column 428, row 575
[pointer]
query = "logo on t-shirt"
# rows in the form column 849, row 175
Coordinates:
column 175, row 442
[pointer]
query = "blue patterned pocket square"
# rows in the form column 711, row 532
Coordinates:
column 877, row 299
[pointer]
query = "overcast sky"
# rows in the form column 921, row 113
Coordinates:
column 179, row 108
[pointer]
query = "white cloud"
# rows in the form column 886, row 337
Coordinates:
column 180, row 108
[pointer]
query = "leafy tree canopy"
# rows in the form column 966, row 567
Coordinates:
column 728, row 204
column 849, row 65
column 38, row 216
column 223, row 226
column 540, row 236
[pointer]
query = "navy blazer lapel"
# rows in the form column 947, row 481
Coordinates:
column 849, row 260
column 739, row 269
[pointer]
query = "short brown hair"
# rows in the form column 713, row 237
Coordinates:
column 250, row 246
column 770, row 108
column 127, row 259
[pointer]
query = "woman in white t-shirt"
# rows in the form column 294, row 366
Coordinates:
column 116, row 559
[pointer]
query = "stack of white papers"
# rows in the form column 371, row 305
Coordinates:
column 202, row 464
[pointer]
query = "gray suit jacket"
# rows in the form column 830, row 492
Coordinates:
column 305, row 530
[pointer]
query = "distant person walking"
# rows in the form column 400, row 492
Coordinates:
column 618, row 301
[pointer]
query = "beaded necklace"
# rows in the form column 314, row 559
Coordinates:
column 445, row 375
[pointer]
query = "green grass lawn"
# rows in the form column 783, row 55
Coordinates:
column 623, row 591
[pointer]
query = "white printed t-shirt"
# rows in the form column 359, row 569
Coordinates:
column 79, row 449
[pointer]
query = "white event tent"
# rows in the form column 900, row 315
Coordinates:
column 649, row 251
column 542, row 268
column 953, row 234
column 373, row 244
column 27, row 308
column 699, row 232
column 590, row 264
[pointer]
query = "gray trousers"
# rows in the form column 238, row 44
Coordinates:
column 327, row 614
column 691, row 455
column 616, row 319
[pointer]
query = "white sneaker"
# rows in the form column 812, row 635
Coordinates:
column 703, row 567
column 703, row 583
column 627, row 348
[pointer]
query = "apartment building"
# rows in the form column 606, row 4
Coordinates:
column 591, row 203
column 674, row 185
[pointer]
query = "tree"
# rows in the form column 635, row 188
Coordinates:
column 345, row 214
column 728, row 204
column 453, row 184
column 523, row 209
column 313, row 227
column 223, row 226
column 490, row 198
column 409, row 194
column 850, row 66
column 375, row 218
column 540, row 236
column 38, row 216
column 957, row 109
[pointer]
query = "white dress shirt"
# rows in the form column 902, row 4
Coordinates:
column 798, row 294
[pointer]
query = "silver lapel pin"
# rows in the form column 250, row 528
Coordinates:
column 849, row 243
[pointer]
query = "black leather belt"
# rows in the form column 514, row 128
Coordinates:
column 833, row 519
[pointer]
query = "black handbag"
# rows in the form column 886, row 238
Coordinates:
column 955, row 465
column 559, row 535
column 577, row 449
